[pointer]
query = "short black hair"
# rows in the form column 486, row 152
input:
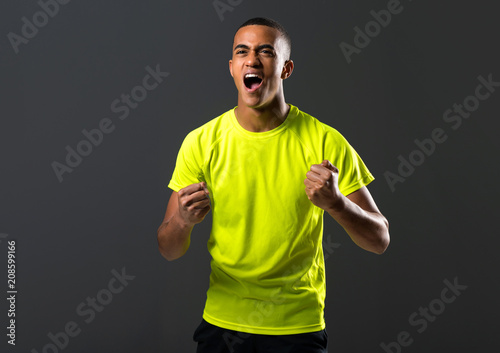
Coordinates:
column 262, row 21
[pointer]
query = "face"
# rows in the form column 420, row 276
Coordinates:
column 259, row 65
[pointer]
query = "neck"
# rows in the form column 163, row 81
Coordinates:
column 263, row 118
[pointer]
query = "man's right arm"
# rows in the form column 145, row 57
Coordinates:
column 185, row 208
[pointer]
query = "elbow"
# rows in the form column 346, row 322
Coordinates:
column 165, row 249
column 382, row 246
column 162, row 246
column 377, row 246
column 382, row 239
column 167, row 256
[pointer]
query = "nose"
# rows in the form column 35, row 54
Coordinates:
column 252, row 59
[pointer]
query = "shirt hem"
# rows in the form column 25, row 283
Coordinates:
column 263, row 330
column 174, row 186
column 367, row 179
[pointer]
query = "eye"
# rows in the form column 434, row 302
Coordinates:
column 240, row 52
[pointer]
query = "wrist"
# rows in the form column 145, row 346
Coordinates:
column 181, row 222
column 338, row 204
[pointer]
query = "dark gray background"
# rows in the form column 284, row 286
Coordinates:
column 104, row 215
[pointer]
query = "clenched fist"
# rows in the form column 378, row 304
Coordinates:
column 322, row 186
column 194, row 203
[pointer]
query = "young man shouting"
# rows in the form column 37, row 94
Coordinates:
column 269, row 172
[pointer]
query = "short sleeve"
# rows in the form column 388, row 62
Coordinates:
column 189, row 164
column 353, row 173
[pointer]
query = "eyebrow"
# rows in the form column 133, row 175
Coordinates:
column 263, row 46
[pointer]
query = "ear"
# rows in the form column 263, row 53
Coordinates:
column 287, row 69
column 231, row 67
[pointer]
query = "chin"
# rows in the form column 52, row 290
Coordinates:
column 255, row 102
column 252, row 103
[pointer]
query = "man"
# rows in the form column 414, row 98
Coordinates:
column 269, row 172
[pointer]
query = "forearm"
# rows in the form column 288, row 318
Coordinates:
column 369, row 230
column 174, row 237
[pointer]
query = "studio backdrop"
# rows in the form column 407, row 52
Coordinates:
column 97, row 97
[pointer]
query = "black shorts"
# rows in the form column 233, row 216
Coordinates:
column 214, row 339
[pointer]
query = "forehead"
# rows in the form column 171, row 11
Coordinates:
column 255, row 35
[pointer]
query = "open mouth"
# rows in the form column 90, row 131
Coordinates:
column 252, row 81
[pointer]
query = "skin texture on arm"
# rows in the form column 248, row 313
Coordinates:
column 185, row 208
column 357, row 213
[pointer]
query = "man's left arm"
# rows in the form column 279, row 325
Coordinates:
column 357, row 212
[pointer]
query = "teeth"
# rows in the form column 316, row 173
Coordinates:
column 251, row 75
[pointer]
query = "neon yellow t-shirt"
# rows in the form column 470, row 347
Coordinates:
column 268, row 273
